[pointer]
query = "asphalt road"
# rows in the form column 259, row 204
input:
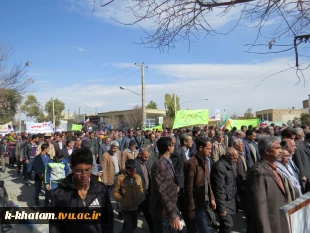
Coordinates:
column 23, row 196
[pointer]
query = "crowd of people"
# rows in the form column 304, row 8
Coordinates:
column 198, row 177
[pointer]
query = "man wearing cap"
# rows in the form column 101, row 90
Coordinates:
column 47, row 140
column 129, row 153
column 127, row 139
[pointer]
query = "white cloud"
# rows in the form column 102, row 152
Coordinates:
column 80, row 49
column 227, row 86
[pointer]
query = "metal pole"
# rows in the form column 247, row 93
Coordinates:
column 20, row 121
column 53, row 113
column 143, row 98
column 309, row 103
column 175, row 104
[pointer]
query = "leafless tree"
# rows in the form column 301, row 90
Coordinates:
column 234, row 116
column 189, row 20
column 115, row 121
column 13, row 77
column 134, row 118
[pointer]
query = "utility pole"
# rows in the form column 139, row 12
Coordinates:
column 20, row 121
column 175, row 104
column 143, row 94
column 53, row 113
column 309, row 103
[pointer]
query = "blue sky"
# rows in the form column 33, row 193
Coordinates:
column 74, row 52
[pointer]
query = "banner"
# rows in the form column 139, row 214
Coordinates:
column 6, row 128
column 217, row 114
column 158, row 127
column 76, row 127
column 34, row 128
column 62, row 126
column 191, row 117
column 239, row 123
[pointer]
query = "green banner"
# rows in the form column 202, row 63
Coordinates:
column 158, row 127
column 76, row 127
column 191, row 117
column 239, row 123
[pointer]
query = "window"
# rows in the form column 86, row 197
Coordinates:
column 270, row 117
column 265, row 117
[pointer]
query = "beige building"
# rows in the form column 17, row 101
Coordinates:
column 280, row 115
column 117, row 117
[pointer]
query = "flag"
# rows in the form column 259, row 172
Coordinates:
column 86, row 123
column 226, row 121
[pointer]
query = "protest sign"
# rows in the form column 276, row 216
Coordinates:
column 76, row 127
column 191, row 117
column 62, row 126
column 34, row 128
column 239, row 123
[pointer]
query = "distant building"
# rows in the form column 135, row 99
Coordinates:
column 116, row 118
column 280, row 115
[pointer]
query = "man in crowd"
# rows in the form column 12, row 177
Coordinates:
column 143, row 171
column 250, row 148
column 301, row 159
column 68, row 149
column 39, row 167
column 218, row 148
column 111, row 165
column 104, row 147
column 224, row 188
column 307, row 144
column 47, row 140
column 179, row 157
column 127, row 139
column 81, row 189
column 290, row 146
column 198, row 191
column 30, row 152
column 128, row 191
column 4, row 153
column 130, row 153
column 266, row 193
column 58, row 143
column 164, row 190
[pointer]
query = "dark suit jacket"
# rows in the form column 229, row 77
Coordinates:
column 4, row 149
column 140, row 172
column 178, row 158
column 302, row 160
column 38, row 166
column 249, row 153
column 139, row 141
column 56, row 145
column 307, row 148
column 265, row 197
column 125, row 142
column 66, row 154
column 224, row 186
column 164, row 193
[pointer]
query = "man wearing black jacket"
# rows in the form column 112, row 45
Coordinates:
column 224, row 188
column 81, row 191
column 142, row 170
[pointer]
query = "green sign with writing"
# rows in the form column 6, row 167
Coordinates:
column 76, row 127
column 239, row 123
column 191, row 117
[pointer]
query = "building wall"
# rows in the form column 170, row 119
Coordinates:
column 280, row 115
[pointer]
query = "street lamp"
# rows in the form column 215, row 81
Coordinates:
column 124, row 88
column 193, row 101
